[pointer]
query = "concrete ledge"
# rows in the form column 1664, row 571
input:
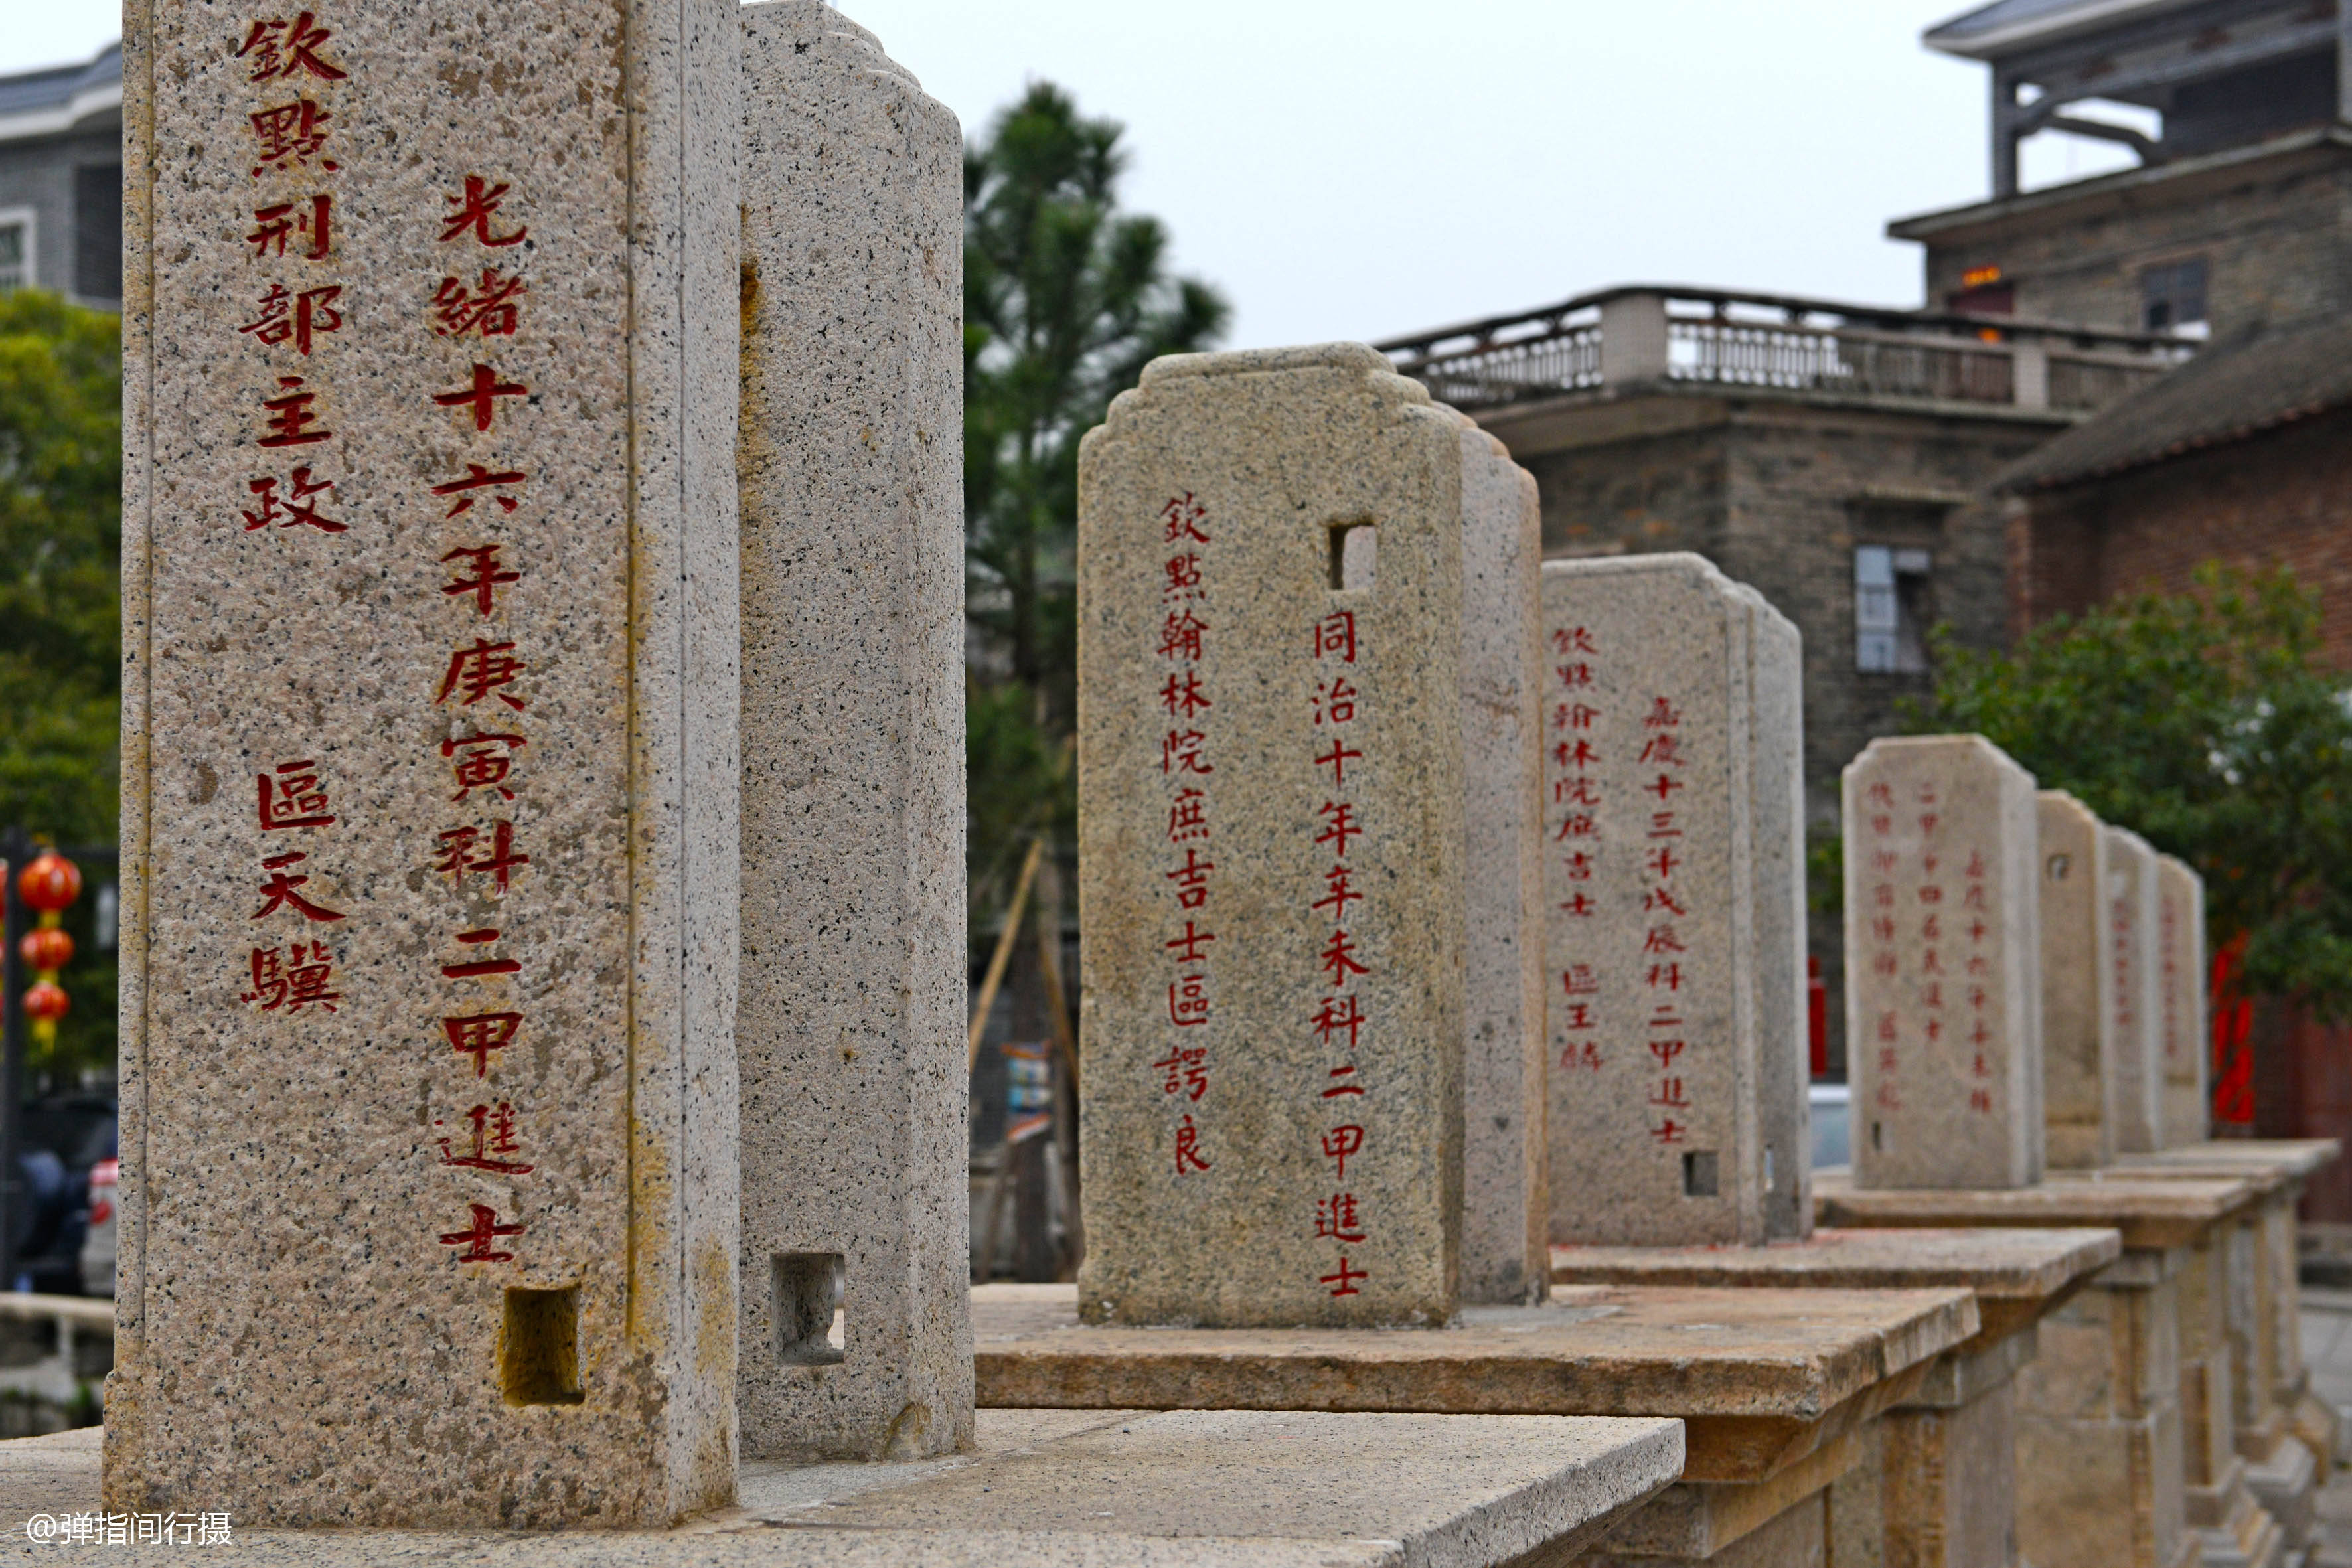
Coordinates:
column 1096, row 1489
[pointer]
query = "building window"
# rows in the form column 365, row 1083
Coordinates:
column 98, row 232
column 1890, row 610
column 2172, row 297
column 16, row 248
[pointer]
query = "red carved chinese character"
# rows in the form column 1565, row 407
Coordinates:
column 1341, row 1145
column 282, row 49
column 1885, row 963
column 1573, row 640
column 482, row 396
column 1662, row 898
column 1578, row 867
column 1573, row 716
column 475, row 209
column 1192, row 880
column 475, row 968
column 295, row 798
column 1580, row 906
column 1669, row 1093
column 1336, row 699
column 1927, row 821
column 1188, row 817
column 295, row 316
column 291, row 417
column 1661, row 939
column 477, row 477
column 290, row 511
column 1668, row 975
column 479, row 1035
column 459, row 842
column 1343, row 1283
column 1581, row 1054
column 1186, row 1072
column 1579, row 790
column 1340, row 1090
column 1183, row 695
column 479, row 765
column 1181, row 638
column 484, row 584
column 294, row 979
column 1879, row 795
column 1981, row 1100
column 480, row 1241
column 1662, row 826
column 1666, row 1051
column 1337, row 759
column 1883, row 894
column 1664, row 750
column 1185, row 516
column 1577, row 753
column 1578, row 980
column 1576, row 825
column 487, row 310
column 1663, row 715
column 293, row 130
column 1183, row 576
column 279, row 890
column 1667, row 784
column 1338, row 1013
column 494, row 1135
column 1336, row 634
column 479, row 671
column 1184, row 751
column 1339, row 959
column 1188, row 1147
column 274, row 224
column 1575, row 676
column 1188, row 1002
column 1670, row 1131
column 1888, row 1024
column 1342, row 815
column 1338, row 893
column 1337, row 1217
column 1190, row 943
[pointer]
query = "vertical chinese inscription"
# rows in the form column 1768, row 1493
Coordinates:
column 2133, row 989
column 413, row 772
column 1943, row 995
column 1271, row 810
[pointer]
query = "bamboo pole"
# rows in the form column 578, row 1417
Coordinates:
column 995, row 978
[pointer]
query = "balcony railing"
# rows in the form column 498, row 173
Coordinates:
column 1627, row 336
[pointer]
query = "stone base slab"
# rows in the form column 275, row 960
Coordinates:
column 1797, row 1538
column 1067, row 1489
column 2231, row 1530
column 2102, row 1493
column 2287, row 1486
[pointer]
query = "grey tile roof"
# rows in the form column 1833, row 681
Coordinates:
column 57, row 86
column 2249, row 383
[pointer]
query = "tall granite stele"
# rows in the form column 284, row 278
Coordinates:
column 2133, row 989
column 2080, row 1074
column 1943, row 965
column 1674, row 894
column 428, row 1210
column 852, row 1034
column 1271, row 798
column 2181, row 972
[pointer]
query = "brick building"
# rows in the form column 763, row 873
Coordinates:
column 61, row 180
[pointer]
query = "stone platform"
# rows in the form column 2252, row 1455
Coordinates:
column 1935, row 1484
column 1101, row 1488
column 1776, row 1387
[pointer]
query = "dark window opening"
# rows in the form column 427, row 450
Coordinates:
column 98, row 231
column 1891, row 610
column 2172, row 295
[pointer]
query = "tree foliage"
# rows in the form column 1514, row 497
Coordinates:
column 1067, row 299
column 2206, row 723
column 60, row 610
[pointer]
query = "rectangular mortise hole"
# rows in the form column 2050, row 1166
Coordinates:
column 1698, row 1177
column 1355, row 554
column 807, row 1289
column 539, row 1349
column 1878, row 1138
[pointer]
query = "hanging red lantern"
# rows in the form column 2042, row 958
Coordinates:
column 45, row 1002
column 51, row 883
column 47, row 950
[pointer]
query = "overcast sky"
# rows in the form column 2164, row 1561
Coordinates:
column 1351, row 170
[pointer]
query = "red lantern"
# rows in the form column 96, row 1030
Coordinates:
column 45, row 1002
column 50, row 883
column 47, row 948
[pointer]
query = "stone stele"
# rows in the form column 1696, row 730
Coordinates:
column 1271, row 839
column 1943, row 977
column 851, row 1035
column 2180, row 971
column 429, row 1209
column 1673, row 829
column 2134, row 990
column 2078, row 1066
column 1505, row 1247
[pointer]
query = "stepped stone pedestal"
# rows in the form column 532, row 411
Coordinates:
column 1097, row 1488
column 2100, row 1441
column 1930, row 1490
column 1778, row 1389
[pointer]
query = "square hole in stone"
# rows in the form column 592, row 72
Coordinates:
column 1355, row 554
column 806, row 1291
column 539, row 1347
column 1698, row 1175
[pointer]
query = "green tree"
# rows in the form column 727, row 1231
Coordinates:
column 2205, row 722
column 60, row 612
column 1067, row 299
